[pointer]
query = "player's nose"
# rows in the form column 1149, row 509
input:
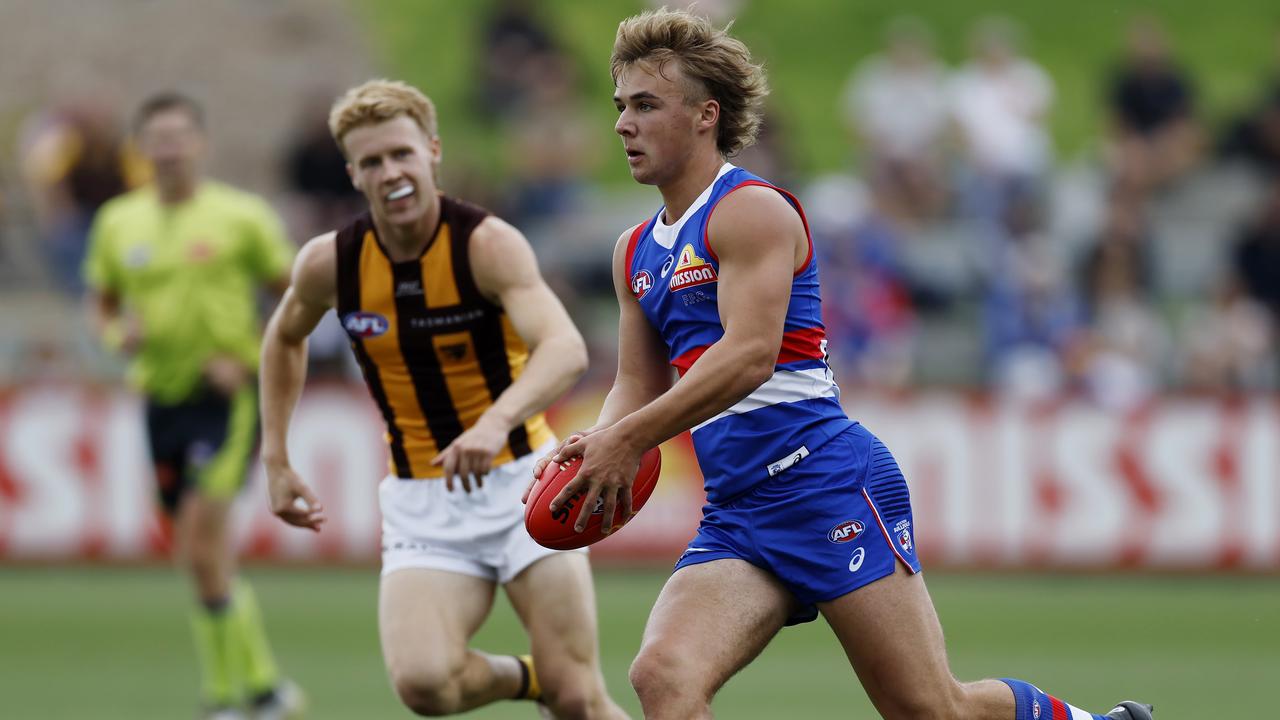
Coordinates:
column 624, row 126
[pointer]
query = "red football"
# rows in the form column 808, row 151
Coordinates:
column 555, row 529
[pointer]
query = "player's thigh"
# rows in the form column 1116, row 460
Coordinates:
column 891, row 635
column 555, row 601
column 426, row 618
column 709, row 621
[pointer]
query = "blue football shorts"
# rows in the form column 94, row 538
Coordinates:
column 835, row 521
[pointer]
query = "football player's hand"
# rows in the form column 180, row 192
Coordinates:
column 226, row 374
column 469, row 457
column 554, row 456
column 130, row 335
column 609, row 464
column 291, row 499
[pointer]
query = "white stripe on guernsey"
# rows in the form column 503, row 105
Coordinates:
column 1078, row 714
column 785, row 386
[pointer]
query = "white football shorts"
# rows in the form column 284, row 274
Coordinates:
column 480, row 533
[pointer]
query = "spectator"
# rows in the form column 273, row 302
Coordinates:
column 894, row 104
column 1154, row 134
column 1124, row 341
column 513, row 36
column 999, row 100
column 1256, row 256
column 1256, row 136
column 315, row 174
column 869, row 314
column 74, row 159
column 1230, row 343
column 1028, row 316
column 552, row 149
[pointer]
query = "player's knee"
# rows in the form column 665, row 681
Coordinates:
column 427, row 692
column 573, row 700
column 659, row 678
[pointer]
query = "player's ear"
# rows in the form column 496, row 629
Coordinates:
column 351, row 173
column 709, row 114
column 437, row 152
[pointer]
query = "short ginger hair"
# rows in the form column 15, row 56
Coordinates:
column 378, row 101
column 717, row 65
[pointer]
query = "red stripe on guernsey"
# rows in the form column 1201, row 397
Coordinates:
column 684, row 361
column 797, row 345
column 1060, row 711
column 803, row 344
column 887, row 537
column 631, row 250
column 706, row 239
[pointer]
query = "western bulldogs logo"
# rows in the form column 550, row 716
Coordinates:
column 846, row 531
column 641, row 283
column 1035, row 709
column 903, row 531
column 691, row 270
column 364, row 324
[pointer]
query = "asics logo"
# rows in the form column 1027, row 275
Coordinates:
column 855, row 563
column 666, row 266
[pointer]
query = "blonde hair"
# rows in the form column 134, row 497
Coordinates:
column 717, row 65
column 378, row 101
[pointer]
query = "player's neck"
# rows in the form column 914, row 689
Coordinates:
column 177, row 190
column 407, row 242
column 680, row 193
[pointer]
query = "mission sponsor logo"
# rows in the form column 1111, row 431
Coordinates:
column 641, row 283
column 691, row 270
column 364, row 324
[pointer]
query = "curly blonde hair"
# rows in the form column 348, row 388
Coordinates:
column 378, row 101
column 717, row 65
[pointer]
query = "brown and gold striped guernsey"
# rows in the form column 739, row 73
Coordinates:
column 434, row 351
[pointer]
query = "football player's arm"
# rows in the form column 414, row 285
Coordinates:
column 118, row 329
column 284, row 370
column 643, row 370
column 506, row 273
column 757, row 236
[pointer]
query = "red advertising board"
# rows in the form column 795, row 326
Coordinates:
column 1186, row 483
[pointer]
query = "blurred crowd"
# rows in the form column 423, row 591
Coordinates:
column 965, row 153
column 948, row 225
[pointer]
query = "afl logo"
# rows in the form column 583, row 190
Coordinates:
column 364, row 324
column 846, row 531
column 641, row 283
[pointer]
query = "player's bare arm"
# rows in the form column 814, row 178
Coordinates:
column 760, row 241
column 506, row 273
column 119, row 330
column 643, row 371
column 284, row 369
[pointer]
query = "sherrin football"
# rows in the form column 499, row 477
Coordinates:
column 555, row 529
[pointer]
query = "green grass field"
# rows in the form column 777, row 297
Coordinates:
column 113, row 643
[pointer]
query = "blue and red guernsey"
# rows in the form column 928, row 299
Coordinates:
column 674, row 274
